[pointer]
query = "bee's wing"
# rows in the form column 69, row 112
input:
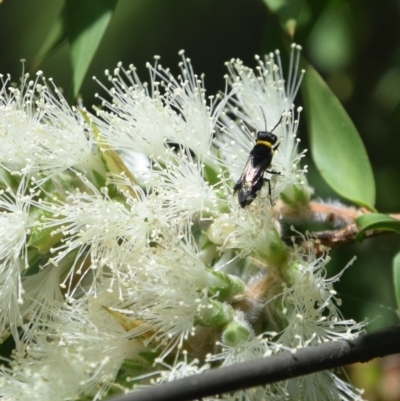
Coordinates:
column 251, row 174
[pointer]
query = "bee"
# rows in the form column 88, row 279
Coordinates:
column 260, row 158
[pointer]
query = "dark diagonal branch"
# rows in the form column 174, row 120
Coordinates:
column 272, row 369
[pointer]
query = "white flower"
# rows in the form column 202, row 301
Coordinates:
column 72, row 357
column 137, row 119
column 146, row 120
column 167, row 292
column 247, row 350
column 312, row 317
column 102, row 231
column 41, row 293
column 15, row 222
column 19, row 124
column 180, row 369
column 65, row 140
column 11, row 298
column 182, row 188
column 287, row 158
column 41, row 134
column 262, row 101
column 15, row 225
column 308, row 304
column 267, row 90
column 251, row 230
column 187, row 95
column 321, row 386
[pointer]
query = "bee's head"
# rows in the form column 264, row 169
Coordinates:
column 267, row 136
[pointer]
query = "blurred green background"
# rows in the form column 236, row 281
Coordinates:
column 355, row 45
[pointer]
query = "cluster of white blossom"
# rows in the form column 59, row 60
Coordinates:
column 125, row 257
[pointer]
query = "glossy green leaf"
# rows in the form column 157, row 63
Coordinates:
column 86, row 24
column 56, row 37
column 396, row 277
column 287, row 12
column 376, row 221
column 336, row 146
column 331, row 40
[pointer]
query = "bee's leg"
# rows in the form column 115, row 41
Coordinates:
column 273, row 172
column 269, row 190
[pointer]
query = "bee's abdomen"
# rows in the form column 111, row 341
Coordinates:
column 245, row 196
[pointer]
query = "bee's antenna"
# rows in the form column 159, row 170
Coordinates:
column 280, row 120
column 265, row 120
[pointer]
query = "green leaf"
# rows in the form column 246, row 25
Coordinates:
column 396, row 277
column 331, row 41
column 56, row 38
column 336, row 146
column 86, row 23
column 376, row 221
column 287, row 12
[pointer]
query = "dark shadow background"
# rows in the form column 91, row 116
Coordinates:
column 354, row 44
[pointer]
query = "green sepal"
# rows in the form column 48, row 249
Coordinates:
column 226, row 285
column 135, row 365
column 100, row 179
column 296, row 196
column 42, row 238
column 210, row 175
column 36, row 261
column 275, row 252
column 215, row 314
column 9, row 180
column 287, row 272
column 236, row 333
column 130, row 369
column 150, row 356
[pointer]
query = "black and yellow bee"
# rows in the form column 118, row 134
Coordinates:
column 260, row 158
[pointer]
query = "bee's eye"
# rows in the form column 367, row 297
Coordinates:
column 273, row 139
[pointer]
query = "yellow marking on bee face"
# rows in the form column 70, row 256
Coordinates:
column 265, row 143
